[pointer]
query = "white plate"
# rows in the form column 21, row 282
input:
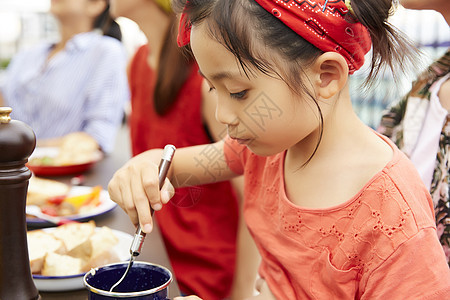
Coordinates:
column 106, row 205
column 75, row 282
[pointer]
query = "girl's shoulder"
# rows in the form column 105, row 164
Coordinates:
column 388, row 212
column 398, row 199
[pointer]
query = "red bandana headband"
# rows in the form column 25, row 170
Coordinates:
column 320, row 22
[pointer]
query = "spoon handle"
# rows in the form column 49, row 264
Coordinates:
column 139, row 236
column 164, row 165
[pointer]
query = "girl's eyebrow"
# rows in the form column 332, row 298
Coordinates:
column 217, row 76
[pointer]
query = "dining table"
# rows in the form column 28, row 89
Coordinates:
column 153, row 250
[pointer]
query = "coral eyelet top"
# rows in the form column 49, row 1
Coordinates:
column 380, row 244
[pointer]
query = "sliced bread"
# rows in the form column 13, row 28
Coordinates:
column 61, row 265
column 40, row 243
column 75, row 234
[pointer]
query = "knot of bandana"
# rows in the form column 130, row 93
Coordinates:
column 320, row 22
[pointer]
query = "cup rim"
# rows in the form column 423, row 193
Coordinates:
column 128, row 294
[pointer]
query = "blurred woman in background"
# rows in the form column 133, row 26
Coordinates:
column 77, row 86
column 170, row 104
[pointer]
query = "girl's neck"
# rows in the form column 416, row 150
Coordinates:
column 348, row 156
column 340, row 123
column 154, row 28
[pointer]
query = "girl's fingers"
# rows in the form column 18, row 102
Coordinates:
column 114, row 192
column 167, row 191
column 118, row 192
column 128, row 198
column 150, row 183
column 135, row 187
column 140, row 202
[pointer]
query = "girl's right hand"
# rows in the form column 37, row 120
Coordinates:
column 135, row 187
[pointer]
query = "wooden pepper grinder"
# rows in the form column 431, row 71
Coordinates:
column 17, row 142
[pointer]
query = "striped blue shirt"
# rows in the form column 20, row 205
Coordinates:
column 84, row 87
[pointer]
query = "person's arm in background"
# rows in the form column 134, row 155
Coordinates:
column 127, row 109
column 247, row 259
column 109, row 92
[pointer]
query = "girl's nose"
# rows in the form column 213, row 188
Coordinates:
column 225, row 113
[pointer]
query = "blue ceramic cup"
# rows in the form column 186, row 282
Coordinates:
column 145, row 281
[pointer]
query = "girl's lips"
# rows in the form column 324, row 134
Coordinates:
column 242, row 141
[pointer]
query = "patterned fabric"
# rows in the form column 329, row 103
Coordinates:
column 392, row 125
column 324, row 24
column 184, row 31
column 379, row 244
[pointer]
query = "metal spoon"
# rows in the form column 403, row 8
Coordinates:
column 139, row 236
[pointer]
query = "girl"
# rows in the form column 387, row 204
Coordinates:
column 336, row 210
column 169, row 105
column 77, row 85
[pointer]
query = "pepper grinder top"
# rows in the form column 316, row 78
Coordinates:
column 17, row 140
column 5, row 114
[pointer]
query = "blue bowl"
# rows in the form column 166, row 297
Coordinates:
column 145, row 281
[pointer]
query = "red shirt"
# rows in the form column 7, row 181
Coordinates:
column 380, row 244
column 199, row 224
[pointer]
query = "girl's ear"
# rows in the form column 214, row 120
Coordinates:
column 332, row 71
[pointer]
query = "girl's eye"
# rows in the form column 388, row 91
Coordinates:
column 239, row 95
column 211, row 89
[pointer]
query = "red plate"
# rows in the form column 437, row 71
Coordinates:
column 60, row 170
column 45, row 170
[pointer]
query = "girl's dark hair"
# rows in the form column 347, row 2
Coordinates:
column 173, row 70
column 390, row 47
column 107, row 24
column 252, row 34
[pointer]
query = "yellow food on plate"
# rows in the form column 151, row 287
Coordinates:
column 71, row 249
column 92, row 199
